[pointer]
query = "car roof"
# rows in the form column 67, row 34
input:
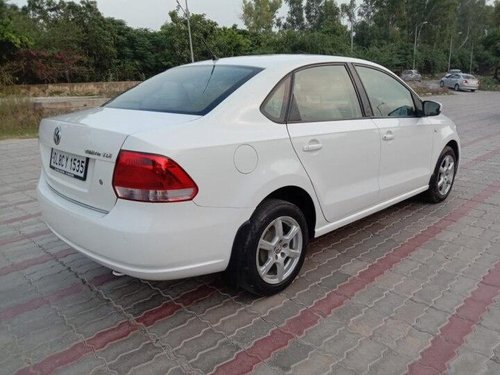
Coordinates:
column 284, row 62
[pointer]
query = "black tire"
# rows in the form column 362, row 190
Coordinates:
column 457, row 87
column 473, row 90
column 242, row 270
column 441, row 84
column 434, row 195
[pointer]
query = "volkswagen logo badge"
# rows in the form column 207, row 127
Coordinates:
column 57, row 135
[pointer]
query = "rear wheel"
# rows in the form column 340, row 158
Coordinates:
column 473, row 90
column 269, row 252
column 457, row 87
column 444, row 176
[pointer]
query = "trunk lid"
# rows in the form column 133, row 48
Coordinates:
column 93, row 138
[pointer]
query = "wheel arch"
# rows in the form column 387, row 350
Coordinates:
column 454, row 146
column 302, row 200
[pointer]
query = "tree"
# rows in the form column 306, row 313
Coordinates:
column 323, row 15
column 313, row 13
column 347, row 9
column 260, row 15
column 295, row 19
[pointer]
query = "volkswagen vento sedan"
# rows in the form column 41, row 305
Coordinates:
column 460, row 81
column 234, row 165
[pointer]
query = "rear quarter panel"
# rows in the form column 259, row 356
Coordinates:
column 206, row 150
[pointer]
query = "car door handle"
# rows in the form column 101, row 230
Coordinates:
column 313, row 145
column 388, row 136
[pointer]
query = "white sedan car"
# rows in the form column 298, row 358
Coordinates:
column 460, row 81
column 236, row 164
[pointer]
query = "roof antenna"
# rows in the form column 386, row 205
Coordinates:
column 214, row 56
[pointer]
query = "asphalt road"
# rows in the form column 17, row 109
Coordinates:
column 414, row 288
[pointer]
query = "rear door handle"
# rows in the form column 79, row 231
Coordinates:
column 313, row 145
column 388, row 136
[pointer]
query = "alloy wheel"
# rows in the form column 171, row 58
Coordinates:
column 279, row 250
column 446, row 175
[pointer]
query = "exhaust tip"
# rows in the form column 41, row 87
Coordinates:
column 117, row 274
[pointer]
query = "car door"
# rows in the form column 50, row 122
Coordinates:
column 452, row 79
column 406, row 139
column 338, row 147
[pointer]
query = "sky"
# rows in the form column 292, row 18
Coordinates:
column 152, row 14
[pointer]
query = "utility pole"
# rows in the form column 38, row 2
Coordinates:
column 417, row 31
column 188, row 17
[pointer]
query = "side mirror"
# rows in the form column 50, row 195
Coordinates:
column 431, row 108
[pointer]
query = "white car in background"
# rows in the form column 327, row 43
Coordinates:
column 236, row 164
column 460, row 81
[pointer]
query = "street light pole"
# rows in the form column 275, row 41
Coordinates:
column 449, row 55
column 415, row 42
column 471, row 53
column 188, row 16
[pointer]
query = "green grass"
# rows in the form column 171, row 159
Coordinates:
column 18, row 118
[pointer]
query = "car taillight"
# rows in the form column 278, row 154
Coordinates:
column 465, row 81
column 151, row 178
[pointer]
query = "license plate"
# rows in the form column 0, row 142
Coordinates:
column 69, row 164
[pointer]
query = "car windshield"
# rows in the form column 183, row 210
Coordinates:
column 194, row 90
column 468, row 76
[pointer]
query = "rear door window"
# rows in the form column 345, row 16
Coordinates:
column 324, row 93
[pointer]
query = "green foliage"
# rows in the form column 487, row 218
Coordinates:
column 18, row 117
column 71, row 41
column 260, row 15
column 295, row 19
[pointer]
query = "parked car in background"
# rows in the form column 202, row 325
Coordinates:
column 460, row 81
column 411, row 75
column 236, row 164
column 450, row 72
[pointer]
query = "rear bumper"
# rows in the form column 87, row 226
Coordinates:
column 469, row 87
column 145, row 240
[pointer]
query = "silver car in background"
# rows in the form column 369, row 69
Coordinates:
column 460, row 81
column 411, row 75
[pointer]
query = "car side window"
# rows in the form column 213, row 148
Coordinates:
column 324, row 93
column 388, row 97
column 275, row 105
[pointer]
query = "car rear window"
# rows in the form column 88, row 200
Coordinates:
column 468, row 76
column 193, row 90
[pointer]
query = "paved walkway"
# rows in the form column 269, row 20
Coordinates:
column 414, row 288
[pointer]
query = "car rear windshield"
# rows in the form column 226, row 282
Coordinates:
column 468, row 76
column 193, row 90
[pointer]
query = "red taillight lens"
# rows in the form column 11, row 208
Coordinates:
column 465, row 81
column 151, row 178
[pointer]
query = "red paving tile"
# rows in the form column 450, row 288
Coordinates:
column 276, row 340
column 122, row 330
column 22, row 265
column 452, row 335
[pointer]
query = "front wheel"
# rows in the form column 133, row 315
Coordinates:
column 441, row 84
column 444, row 176
column 270, row 250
